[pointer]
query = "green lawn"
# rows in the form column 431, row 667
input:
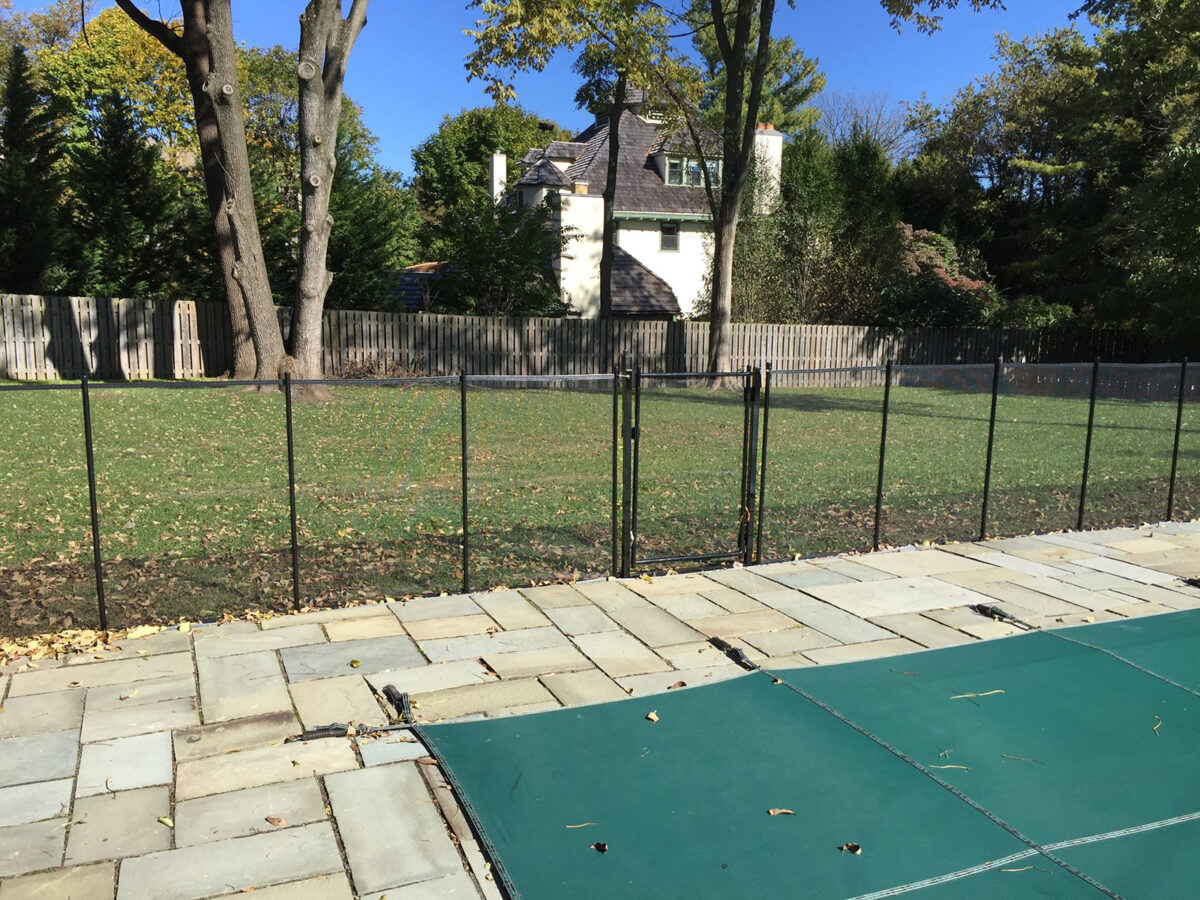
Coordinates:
column 192, row 486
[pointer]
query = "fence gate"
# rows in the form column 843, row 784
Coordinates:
column 678, row 509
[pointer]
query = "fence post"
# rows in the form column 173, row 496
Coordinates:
column 626, row 469
column 887, row 396
column 291, row 461
column 616, row 528
column 91, row 470
column 1175, row 449
column 762, row 472
column 466, row 534
column 987, row 469
column 635, row 434
column 1087, row 447
column 755, row 387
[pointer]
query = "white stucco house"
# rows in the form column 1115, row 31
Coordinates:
column 664, row 226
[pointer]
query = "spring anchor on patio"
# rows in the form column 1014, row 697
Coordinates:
column 737, row 654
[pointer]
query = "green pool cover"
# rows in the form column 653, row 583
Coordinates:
column 1051, row 764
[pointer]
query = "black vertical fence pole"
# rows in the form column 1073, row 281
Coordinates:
column 991, row 443
column 887, row 398
column 743, row 525
column 1087, row 447
column 466, row 532
column 762, row 472
column 91, row 470
column 752, row 469
column 626, row 469
column 1175, row 449
column 287, row 402
column 635, row 434
column 616, row 528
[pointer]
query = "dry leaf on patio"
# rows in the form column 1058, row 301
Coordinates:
column 354, row 664
column 427, row 761
column 652, row 715
column 128, row 696
column 166, row 820
column 274, row 820
column 677, row 684
column 779, row 811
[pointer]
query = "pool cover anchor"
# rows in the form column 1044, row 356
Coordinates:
column 737, row 654
column 397, row 698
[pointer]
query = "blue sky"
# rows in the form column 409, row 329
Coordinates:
column 407, row 68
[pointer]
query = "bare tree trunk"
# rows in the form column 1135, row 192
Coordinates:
column 325, row 43
column 610, row 196
column 720, row 337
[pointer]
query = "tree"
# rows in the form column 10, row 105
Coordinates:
column 206, row 46
column 29, row 186
column 126, row 212
column 844, row 114
column 451, row 166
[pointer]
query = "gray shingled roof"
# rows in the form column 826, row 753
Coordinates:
column 639, row 186
column 637, row 291
column 565, row 150
column 544, row 172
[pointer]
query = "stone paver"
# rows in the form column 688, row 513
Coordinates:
column 41, row 713
column 1152, row 593
column 433, row 678
column 328, row 660
column 245, row 812
column 738, row 624
column 434, row 608
column 923, row 630
column 475, row 646
column 104, row 725
column 731, row 601
column 1016, row 563
column 122, row 696
column 447, row 887
column 479, row 698
column 687, row 583
column 610, row 596
column 554, row 596
column 920, row 562
column 851, row 568
column 390, row 747
column 94, row 882
column 38, row 757
column 1125, row 570
column 239, row 734
column 588, row 686
column 655, row 627
column 190, row 873
column 343, row 699
column 326, row 616
column 1137, row 608
column 688, row 606
column 899, row 595
column 510, row 610
column 323, row 887
column 1015, row 598
column 237, row 687
column 170, row 641
column 745, row 580
column 264, row 765
column 572, row 620
column 619, row 655
column 417, row 847
column 658, row 682
column 789, row 641
column 364, row 628
column 693, row 655
column 972, row 623
column 109, row 826
column 101, row 673
column 27, row 848
column 855, row 652
column 837, row 623
column 457, row 626
column 801, row 575
column 524, row 663
column 124, row 763
column 25, row 803
column 217, row 643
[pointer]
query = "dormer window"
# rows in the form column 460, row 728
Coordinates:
column 685, row 171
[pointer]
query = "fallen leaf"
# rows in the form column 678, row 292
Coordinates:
column 274, row 820
column 354, row 664
column 599, row 847
column 427, row 761
column 185, row 627
column 652, row 715
column 128, row 696
column 778, row 811
column 581, row 825
column 166, row 820
column 296, row 762
column 677, row 684
column 851, row 848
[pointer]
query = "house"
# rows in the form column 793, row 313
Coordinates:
column 663, row 246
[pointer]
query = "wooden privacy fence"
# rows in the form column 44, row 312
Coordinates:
column 44, row 338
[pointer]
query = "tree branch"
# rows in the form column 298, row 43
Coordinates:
column 721, row 31
column 156, row 28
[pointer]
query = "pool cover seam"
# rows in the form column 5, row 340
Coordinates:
column 991, row 865
column 983, row 810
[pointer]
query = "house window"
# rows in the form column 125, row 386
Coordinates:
column 668, row 237
column 686, row 170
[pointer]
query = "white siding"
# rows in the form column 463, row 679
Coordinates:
column 684, row 270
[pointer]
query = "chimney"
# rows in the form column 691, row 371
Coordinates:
column 499, row 174
column 581, row 187
column 768, row 154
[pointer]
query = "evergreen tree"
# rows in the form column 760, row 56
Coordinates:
column 29, row 188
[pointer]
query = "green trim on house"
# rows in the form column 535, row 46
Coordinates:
column 662, row 216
